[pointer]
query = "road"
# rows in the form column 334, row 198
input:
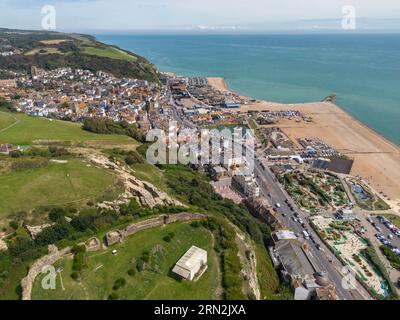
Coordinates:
column 320, row 260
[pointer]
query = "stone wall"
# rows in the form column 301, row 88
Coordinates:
column 53, row 255
column 184, row 216
column 115, row 236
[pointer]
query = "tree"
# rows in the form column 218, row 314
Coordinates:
column 130, row 160
column 56, row 214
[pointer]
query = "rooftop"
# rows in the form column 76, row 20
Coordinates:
column 191, row 258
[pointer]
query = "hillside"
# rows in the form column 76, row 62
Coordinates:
column 50, row 50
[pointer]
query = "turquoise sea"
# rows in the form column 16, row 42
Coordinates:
column 362, row 69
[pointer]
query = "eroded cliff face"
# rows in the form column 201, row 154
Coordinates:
column 145, row 193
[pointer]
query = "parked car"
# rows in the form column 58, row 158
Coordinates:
column 390, row 237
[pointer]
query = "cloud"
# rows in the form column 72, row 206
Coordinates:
column 175, row 14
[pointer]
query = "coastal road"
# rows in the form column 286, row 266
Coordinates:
column 321, row 260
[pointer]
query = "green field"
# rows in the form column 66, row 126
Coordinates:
column 6, row 120
column 109, row 52
column 53, row 185
column 30, row 129
column 155, row 282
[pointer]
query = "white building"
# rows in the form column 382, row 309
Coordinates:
column 247, row 184
column 191, row 263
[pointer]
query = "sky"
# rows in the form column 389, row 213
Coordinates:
column 200, row 15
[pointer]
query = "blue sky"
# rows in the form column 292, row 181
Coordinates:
column 209, row 15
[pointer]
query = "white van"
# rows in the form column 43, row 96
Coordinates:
column 306, row 235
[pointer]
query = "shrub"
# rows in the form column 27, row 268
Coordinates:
column 15, row 154
column 56, row 214
column 167, row 238
column 140, row 266
column 113, row 296
column 132, row 272
column 14, row 224
column 120, row 282
column 195, row 224
column 75, row 275
column 129, row 160
column 145, row 256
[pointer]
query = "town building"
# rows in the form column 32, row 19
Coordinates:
column 247, row 184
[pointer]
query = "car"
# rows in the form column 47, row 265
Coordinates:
column 293, row 218
column 379, row 229
column 300, row 220
column 390, row 237
column 284, row 214
column 278, row 205
column 370, row 220
column 306, row 235
column 304, row 225
column 318, row 246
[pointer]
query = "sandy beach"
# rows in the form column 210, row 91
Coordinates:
column 376, row 159
column 218, row 83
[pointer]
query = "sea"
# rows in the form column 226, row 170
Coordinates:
column 362, row 69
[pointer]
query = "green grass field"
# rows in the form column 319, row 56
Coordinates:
column 30, row 129
column 153, row 283
column 6, row 120
column 53, row 185
column 109, row 52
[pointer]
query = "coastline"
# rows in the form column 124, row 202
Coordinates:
column 376, row 158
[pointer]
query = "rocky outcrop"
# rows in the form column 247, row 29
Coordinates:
column 35, row 230
column 146, row 193
column 48, row 260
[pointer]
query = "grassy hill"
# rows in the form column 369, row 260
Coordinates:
column 27, row 129
column 154, row 282
column 50, row 50
column 51, row 183
column 55, row 184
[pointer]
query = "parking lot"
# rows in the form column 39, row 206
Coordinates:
column 384, row 234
